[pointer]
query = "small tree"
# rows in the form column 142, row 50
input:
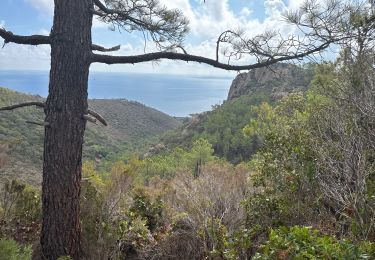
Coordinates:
column 72, row 54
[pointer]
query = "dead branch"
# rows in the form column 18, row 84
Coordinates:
column 96, row 47
column 97, row 116
column 45, row 124
column 89, row 119
column 25, row 104
column 8, row 36
column 42, row 105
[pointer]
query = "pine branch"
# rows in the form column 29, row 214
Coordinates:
column 123, row 15
column 165, row 27
column 107, row 59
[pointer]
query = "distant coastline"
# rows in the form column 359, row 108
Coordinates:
column 176, row 95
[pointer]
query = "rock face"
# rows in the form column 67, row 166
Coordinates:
column 277, row 80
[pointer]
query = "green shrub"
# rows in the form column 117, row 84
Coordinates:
column 266, row 209
column 133, row 236
column 216, row 239
column 306, row 243
column 148, row 209
column 221, row 244
column 20, row 202
column 10, row 250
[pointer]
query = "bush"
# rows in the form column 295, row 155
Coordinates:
column 148, row 209
column 10, row 250
column 220, row 244
column 20, row 212
column 134, row 236
column 21, row 202
column 306, row 243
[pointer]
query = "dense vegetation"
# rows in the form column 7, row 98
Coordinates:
column 24, row 142
column 307, row 191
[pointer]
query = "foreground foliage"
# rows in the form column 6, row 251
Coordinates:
column 10, row 250
column 305, row 243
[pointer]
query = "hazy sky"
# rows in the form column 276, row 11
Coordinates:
column 207, row 21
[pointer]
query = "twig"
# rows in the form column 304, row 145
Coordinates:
column 45, row 124
column 96, row 47
column 25, row 104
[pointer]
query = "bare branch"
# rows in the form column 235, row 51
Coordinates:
column 45, row 124
column 8, row 36
column 25, row 104
column 97, row 116
column 219, row 40
column 90, row 119
column 96, row 47
column 42, row 104
column 107, row 59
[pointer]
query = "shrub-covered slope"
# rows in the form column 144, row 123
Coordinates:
column 130, row 125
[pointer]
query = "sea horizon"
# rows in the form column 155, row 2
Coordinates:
column 176, row 95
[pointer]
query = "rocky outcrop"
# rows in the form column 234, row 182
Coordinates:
column 277, row 80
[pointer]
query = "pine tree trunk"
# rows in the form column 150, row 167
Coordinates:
column 65, row 106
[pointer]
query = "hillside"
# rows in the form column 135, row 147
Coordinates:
column 223, row 126
column 131, row 126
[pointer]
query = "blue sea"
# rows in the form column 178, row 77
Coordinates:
column 173, row 94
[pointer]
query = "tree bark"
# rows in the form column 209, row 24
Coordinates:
column 65, row 106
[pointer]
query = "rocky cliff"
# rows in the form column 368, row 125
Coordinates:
column 278, row 80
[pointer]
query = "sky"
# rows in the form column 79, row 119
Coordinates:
column 207, row 21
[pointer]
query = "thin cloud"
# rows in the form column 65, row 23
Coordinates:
column 245, row 12
column 295, row 4
column 44, row 6
column 274, row 7
column 25, row 57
